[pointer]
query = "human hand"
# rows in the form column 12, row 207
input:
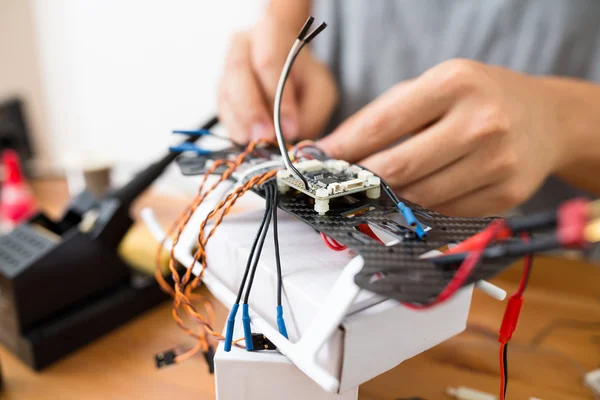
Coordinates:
column 485, row 138
column 251, row 73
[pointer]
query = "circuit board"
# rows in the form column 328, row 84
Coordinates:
column 330, row 179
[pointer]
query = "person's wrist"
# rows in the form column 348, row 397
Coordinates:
column 561, row 118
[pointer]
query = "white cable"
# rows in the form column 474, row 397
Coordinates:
column 259, row 167
column 277, row 104
column 466, row 393
column 294, row 51
column 303, row 38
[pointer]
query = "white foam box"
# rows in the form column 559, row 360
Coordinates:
column 259, row 375
column 375, row 336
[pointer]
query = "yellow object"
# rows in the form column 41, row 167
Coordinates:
column 138, row 249
column 592, row 231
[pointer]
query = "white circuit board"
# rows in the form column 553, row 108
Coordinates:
column 330, row 179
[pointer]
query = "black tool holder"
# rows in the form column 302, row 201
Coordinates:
column 62, row 285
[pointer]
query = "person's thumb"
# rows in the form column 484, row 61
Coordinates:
column 269, row 50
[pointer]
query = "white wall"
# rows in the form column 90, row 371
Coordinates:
column 20, row 70
column 119, row 75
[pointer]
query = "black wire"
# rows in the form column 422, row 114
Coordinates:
column 386, row 187
column 514, row 248
column 314, row 33
column 538, row 221
column 391, row 194
column 305, row 28
column 505, row 372
column 276, row 244
column 269, row 188
column 252, row 251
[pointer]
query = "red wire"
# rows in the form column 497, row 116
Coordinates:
column 332, row 244
column 526, row 268
column 298, row 149
column 366, row 229
column 466, row 268
column 511, row 314
column 475, row 241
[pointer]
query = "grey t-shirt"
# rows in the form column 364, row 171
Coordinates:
column 372, row 44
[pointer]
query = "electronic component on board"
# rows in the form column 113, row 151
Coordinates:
column 260, row 342
column 165, row 358
column 329, row 179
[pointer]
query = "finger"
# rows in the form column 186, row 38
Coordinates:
column 483, row 202
column 290, row 119
column 244, row 96
column 229, row 119
column 268, row 64
column 422, row 154
column 459, row 178
column 402, row 110
column 317, row 101
column 244, row 114
column 240, row 91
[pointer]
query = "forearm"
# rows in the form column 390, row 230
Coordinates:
column 576, row 110
column 290, row 12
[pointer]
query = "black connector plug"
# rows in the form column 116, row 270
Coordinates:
column 165, row 358
column 209, row 356
column 314, row 33
column 260, row 342
column 305, row 28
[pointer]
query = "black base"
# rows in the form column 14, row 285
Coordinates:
column 66, row 333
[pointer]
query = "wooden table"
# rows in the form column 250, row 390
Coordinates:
column 565, row 293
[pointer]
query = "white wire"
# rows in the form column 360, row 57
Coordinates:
column 258, row 167
column 277, row 106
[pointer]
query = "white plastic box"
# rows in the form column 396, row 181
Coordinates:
column 240, row 374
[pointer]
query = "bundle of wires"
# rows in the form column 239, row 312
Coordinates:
column 575, row 224
column 183, row 286
column 245, row 288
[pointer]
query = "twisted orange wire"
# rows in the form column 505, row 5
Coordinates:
column 182, row 289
